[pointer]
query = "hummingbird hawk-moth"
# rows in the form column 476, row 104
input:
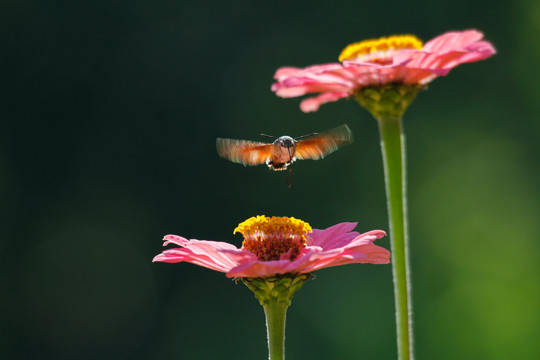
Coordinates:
column 285, row 149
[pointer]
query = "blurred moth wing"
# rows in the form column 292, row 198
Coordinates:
column 285, row 149
column 244, row 152
column 322, row 144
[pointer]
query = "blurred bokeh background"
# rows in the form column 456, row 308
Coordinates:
column 109, row 111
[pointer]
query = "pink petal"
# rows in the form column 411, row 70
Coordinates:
column 374, row 74
column 322, row 75
column 175, row 239
column 313, row 103
column 441, row 64
column 263, row 268
column 214, row 255
column 447, row 51
column 333, row 237
column 292, row 82
column 452, row 41
column 420, row 76
column 368, row 253
column 336, row 245
column 184, row 255
column 366, row 238
column 335, row 81
column 297, row 87
column 289, row 71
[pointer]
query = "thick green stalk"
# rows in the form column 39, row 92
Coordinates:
column 275, row 312
column 275, row 295
column 393, row 151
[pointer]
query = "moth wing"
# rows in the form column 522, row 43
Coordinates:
column 323, row 144
column 244, row 152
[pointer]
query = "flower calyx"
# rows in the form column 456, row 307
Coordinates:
column 276, row 289
column 390, row 100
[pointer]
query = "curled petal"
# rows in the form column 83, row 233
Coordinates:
column 365, row 238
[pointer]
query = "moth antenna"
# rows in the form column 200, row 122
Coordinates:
column 305, row 136
column 268, row 136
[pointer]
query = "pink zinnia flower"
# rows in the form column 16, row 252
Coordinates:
column 399, row 59
column 279, row 245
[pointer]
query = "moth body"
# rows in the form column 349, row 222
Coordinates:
column 280, row 154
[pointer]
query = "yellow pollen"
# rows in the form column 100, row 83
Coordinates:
column 377, row 50
column 268, row 225
column 270, row 238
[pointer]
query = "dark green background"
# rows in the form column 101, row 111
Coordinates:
column 109, row 113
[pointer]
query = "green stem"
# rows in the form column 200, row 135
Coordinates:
column 393, row 150
column 275, row 312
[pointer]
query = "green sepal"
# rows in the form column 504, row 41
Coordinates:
column 278, row 288
column 390, row 100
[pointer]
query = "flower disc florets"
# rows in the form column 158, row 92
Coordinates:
column 274, row 238
column 380, row 50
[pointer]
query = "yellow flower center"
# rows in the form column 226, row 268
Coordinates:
column 271, row 238
column 380, row 50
